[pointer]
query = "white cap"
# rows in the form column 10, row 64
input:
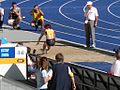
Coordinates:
column 89, row 3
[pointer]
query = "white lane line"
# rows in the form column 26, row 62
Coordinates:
column 110, row 7
column 109, row 36
column 113, row 30
column 108, row 43
column 111, row 23
column 78, row 36
column 62, row 25
column 114, row 37
column 44, row 2
column 60, row 10
column 74, row 35
column 25, row 22
column 2, row 1
column 22, row 2
column 59, row 24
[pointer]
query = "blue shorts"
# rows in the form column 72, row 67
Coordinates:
column 50, row 42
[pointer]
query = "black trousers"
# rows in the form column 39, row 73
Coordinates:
column 1, row 23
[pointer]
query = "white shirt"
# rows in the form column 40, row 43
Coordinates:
column 40, row 75
column 91, row 13
column 115, row 69
column 45, row 74
column 69, row 70
column 2, row 12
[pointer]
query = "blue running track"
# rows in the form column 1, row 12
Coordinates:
column 66, row 16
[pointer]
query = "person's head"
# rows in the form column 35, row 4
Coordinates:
column 14, row 4
column 28, row 49
column 34, row 51
column 36, row 7
column 44, row 62
column 89, row 4
column 59, row 57
column 48, row 26
column 117, row 54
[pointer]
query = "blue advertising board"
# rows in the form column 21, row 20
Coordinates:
column 7, row 52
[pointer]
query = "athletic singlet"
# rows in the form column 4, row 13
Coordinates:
column 50, row 34
column 37, row 15
column 13, row 15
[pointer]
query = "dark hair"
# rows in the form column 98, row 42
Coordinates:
column 44, row 62
column 14, row 3
column 34, row 51
column 59, row 57
column 28, row 49
column 47, row 26
column 117, row 53
column 35, row 5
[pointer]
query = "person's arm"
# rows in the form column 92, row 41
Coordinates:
column 1, row 12
column 18, row 12
column 72, row 78
column 10, row 14
column 96, row 21
column 42, row 34
column 45, row 77
column 73, row 82
column 31, row 12
column 96, row 17
column 54, row 35
column 85, row 13
column 116, row 69
column 41, row 12
column 50, row 73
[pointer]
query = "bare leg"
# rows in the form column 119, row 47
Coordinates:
column 41, row 23
column 42, row 33
column 16, row 23
column 48, row 47
column 44, row 47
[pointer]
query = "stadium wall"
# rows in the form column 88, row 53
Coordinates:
column 6, row 84
column 91, row 79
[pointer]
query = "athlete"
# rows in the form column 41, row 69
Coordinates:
column 50, row 38
column 38, row 17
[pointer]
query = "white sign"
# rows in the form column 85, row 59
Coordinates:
column 20, row 52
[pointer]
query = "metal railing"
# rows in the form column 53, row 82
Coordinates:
column 90, row 79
